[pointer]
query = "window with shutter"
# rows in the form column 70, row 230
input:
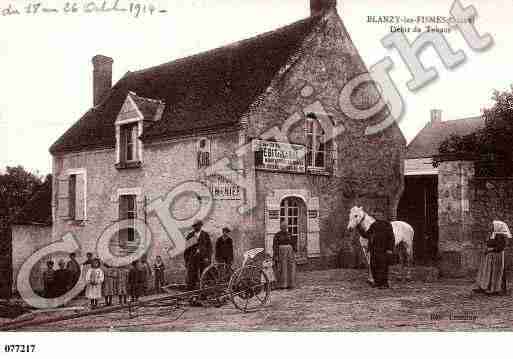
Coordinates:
column 80, row 197
column 63, row 197
column 72, row 196
column 128, row 210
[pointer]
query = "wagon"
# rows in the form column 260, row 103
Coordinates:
column 248, row 287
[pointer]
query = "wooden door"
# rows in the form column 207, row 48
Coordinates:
column 293, row 212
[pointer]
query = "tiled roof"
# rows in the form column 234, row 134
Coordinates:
column 428, row 140
column 147, row 106
column 209, row 90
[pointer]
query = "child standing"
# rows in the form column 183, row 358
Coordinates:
column 135, row 284
column 158, row 268
column 49, row 280
column 122, row 287
column 110, row 284
column 94, row 279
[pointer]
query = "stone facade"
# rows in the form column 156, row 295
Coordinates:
column 367, row 170
column 466, row 208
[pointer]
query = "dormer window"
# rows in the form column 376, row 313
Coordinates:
column 129, row 134
column 135, row 114
column 129, row 147
column 204, row 153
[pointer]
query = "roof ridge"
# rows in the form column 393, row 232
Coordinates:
column 148, row 99
column 231, row 44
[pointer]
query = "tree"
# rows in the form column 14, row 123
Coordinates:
column 17, row 186
column 492, row 146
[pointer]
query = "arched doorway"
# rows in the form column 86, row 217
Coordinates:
column 293, row 212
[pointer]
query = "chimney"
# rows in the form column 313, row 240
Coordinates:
column 102, row 77
column 319, row 6
column 436, row 116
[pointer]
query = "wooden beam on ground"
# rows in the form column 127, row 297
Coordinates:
column 105, row 310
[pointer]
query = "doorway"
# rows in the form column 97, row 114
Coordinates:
column 419, row 207
column 293, row 212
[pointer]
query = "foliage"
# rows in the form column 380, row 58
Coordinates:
column 495, row 141
column 17, row 186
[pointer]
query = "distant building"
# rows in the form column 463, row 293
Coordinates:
column 449, row 205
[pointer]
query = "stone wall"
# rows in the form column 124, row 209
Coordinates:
column 466, row 208
column 491, row 199
column 26, row 240
column 458, row 254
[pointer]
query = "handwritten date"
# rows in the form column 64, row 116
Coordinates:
column 135, row 9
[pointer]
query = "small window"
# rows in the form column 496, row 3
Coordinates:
column 316, row 149
column 128, row 210
column 128, row 145
column 72, row 197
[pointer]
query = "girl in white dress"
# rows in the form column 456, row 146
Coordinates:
column 94, row 279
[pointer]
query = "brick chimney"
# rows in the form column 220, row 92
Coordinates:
column 102, row 77
column 319, row 6
column 436, row 116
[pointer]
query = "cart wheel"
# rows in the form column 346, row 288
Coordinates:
column 213, row 283
column 249, row 288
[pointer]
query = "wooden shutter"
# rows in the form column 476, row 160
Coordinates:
column 123, row 207
column 80, row 197
column 63, row 197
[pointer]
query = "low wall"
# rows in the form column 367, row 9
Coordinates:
column 26, row 240
column 467, row 205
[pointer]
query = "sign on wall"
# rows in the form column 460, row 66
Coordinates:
column 222, row 189
column 277, row 156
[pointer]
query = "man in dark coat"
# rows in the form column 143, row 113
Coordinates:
column 197, row 255
column 62, row 279
column 73, row 269
column 224, row 248
column 381, row 247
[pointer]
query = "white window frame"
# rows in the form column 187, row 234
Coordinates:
column 138, row 119
column 312, row 128
column 77, row 172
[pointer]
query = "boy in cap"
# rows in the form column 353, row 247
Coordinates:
column 224, row 248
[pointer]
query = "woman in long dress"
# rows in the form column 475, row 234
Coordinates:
column 284, row 249
column 491, row 278
column 94, row 279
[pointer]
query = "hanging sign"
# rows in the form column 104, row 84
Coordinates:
column 277, row 156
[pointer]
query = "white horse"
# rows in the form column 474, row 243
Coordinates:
column 403, row 234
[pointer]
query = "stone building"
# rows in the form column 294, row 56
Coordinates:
column 218, row 118
column 422, row 204
column 449, row 200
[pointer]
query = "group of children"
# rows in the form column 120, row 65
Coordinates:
column 103, row 280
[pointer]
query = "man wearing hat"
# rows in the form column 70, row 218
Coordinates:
column 197, row 254
column 224, row 248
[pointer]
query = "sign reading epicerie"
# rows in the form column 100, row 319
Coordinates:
column 276, row 156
